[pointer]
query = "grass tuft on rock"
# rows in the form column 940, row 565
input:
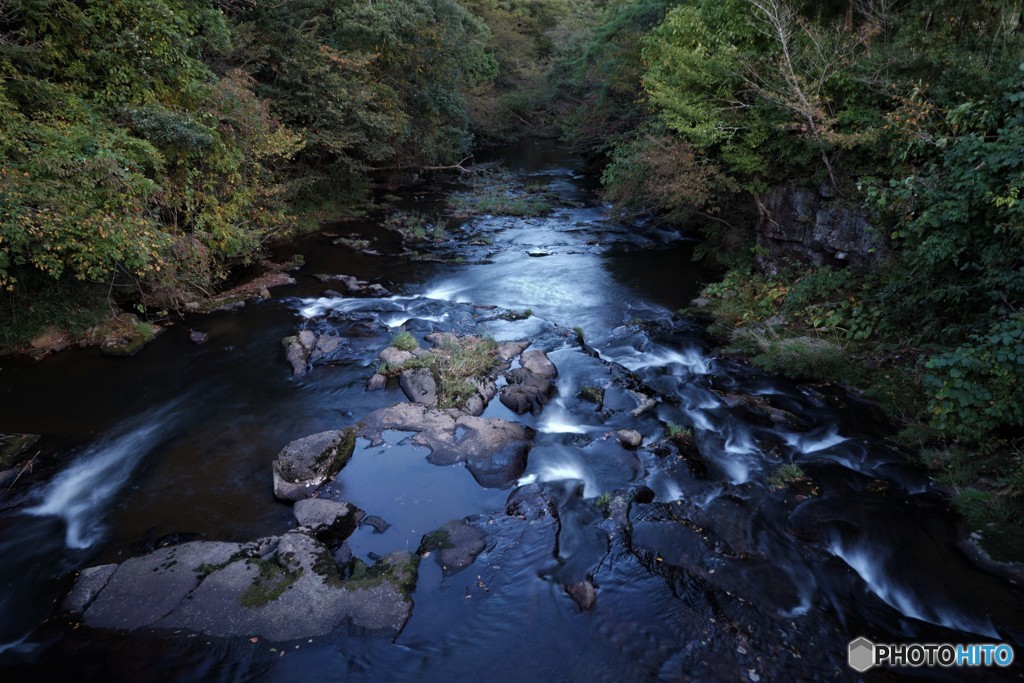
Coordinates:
column 403, row 341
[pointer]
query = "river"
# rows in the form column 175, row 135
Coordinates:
column 714, row 574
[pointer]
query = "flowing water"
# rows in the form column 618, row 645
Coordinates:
column 710, row 574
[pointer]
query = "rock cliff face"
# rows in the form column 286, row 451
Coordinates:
column 813, row 227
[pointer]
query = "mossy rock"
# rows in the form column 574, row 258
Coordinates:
column 434, row 541
column 13, row 447
column 125, row 336
column 270, row 584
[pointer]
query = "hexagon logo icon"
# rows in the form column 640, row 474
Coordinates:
column 862, row 655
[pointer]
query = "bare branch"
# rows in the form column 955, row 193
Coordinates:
column 403, row 167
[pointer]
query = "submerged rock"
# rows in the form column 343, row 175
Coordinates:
column 197, row 337
column 378, row 524
column 280, row 588
column 494, row 450
column 306, row 464
column 377, row 382
column 455, row 545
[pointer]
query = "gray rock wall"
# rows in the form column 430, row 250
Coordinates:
column 814, row 227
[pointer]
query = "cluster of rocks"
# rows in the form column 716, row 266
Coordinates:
column 494, row 450
column 420, row 384
column 307, row 348
column 123, row 335
column 530, row 386
column 353, row 285
column 306, row 582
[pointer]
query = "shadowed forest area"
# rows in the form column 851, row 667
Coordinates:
column 152, row 150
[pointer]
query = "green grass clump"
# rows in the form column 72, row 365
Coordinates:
column 403, row 341
column 785, row 475
column 453, row 363
column 672, row 429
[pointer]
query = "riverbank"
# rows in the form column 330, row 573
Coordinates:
column 798, row 325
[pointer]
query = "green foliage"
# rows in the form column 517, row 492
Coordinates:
column 786, row 475
column 156, row 144
column 802, row 357
column 672, row 429
column 597, row 72
column 403, row 341
column 959, row 228
column 978, row 388
column 454, row 364
column 510, row 101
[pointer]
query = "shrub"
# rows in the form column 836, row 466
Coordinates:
column 979, row 387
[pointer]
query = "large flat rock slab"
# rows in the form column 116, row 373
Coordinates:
column 279, row 588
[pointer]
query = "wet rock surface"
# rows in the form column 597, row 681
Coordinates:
column 280, row 588
column 306, row 464
column 454, row 546
column 494, row 450
column 419, row 386
column 321, row 515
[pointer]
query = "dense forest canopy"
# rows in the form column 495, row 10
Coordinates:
column 149, row 146
column 157, row 142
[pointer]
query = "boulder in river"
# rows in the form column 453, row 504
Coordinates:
column 493, row 449
column 526, row 391
column 537, row 362
column 510, row 349
column 583, row 594
column 304, row 465
column 629, row 438
column 280, row 588
column 455, row 545
column 297, row 350
column 124, row 335
column 321, row 515
column 419, row 385
column 394, row 357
